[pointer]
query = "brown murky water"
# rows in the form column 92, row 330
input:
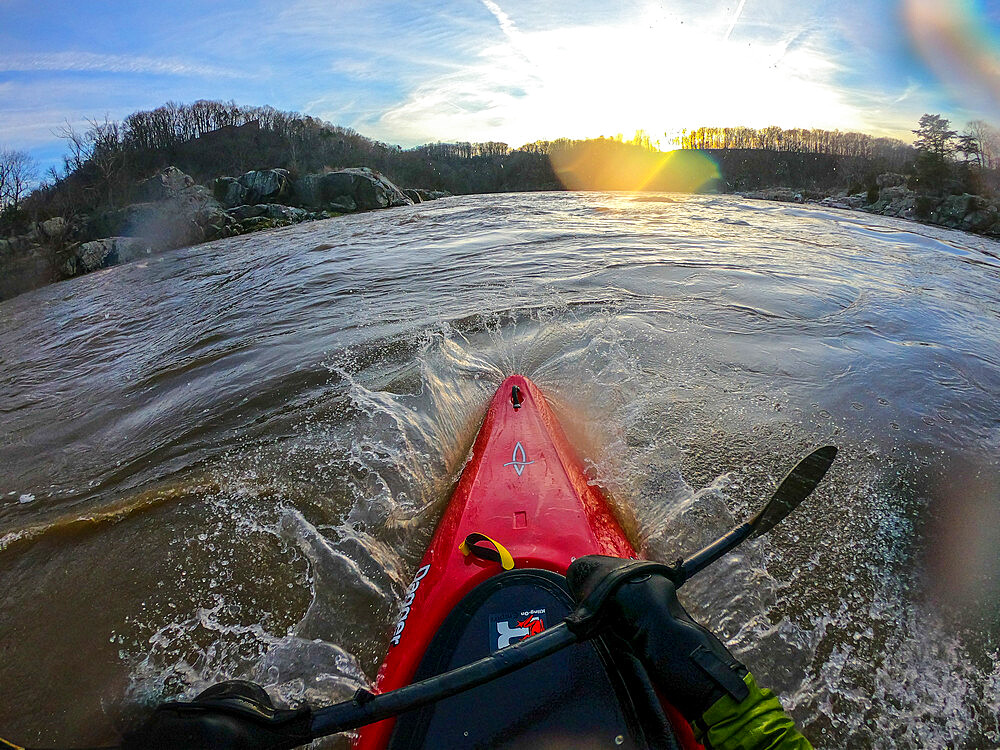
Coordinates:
column 226, row 460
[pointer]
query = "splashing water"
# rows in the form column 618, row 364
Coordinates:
column 237, row 452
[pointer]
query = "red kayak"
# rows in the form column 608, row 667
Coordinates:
column 494, row 574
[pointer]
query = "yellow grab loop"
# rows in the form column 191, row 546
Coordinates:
column 8, row 743
column 498, row 554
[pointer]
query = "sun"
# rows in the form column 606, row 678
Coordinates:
column 652, row 74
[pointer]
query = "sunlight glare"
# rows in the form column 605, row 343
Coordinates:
column 654, row 73
column 609, row 165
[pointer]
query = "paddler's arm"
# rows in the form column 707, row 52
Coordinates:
column 756, row 723
column 688, row 665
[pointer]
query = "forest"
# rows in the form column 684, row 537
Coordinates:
column 105, row 161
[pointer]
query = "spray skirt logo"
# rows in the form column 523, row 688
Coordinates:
column 519, row 460
column 515, row 627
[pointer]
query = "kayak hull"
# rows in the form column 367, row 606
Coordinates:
column 524, row 491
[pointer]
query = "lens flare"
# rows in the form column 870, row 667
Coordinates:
column 962, row 565
column 954, row 40
column 604, row 164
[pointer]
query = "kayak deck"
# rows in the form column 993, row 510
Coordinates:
column 523, row 501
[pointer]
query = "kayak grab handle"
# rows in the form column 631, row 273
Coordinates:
column 515, row 397
column 497, row 554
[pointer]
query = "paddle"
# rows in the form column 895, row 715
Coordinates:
column 366, row 708
column 797, row 485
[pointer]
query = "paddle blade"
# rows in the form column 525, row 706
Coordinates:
column 794, row 488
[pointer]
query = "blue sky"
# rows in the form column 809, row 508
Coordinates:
column 503, row 69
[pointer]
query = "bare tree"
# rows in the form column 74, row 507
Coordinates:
column 987, row 138
column 17, row 172
column 80, row 146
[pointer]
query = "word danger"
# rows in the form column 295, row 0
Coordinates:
column 404, row 610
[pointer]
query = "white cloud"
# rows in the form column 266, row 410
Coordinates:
column 99, row 63
column 651, row 73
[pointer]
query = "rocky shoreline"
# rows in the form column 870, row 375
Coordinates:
column 173, row 211
column 967, row 212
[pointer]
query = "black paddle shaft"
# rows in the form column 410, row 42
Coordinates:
column 797, row 485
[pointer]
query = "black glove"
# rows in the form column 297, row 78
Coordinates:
column 687, row 664
column 235, row 715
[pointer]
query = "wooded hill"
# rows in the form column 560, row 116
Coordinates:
column 208, row 139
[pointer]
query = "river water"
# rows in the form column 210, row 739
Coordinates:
column 226, row 460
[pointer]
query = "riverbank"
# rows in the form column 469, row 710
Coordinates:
column 970, row 213
column 174, row 211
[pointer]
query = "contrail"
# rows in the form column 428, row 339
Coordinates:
column 736, row 18
column 506, row 24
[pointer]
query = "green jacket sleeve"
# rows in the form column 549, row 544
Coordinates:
column 756, row 723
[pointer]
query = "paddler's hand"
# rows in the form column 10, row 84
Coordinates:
column 687, row 664
column 235, row 715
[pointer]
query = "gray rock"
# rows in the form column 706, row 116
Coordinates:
column 890, row 179
column 951, row 211
column 343, row 205
column 229, row 192
column 776, row 194
column 246, row 212
column 285, row 213
column 167, row 184
column 265, row 186
column 54, row 228
column 981, row 220
column 110, row 251
column 413, row 195
column 362, row 187
column 269, row 210
column 894, row 193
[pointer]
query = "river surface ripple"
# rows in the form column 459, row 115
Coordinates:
column 225, row 461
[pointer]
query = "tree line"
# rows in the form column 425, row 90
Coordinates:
column 105, row 160
column 798, row 140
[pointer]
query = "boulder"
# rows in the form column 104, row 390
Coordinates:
column 186, row 214
column 110, row 251
column 178, row 222
column 54, row 228
column 890, row 179
column 413, row 195
column 981, row 220
column 951, row 211
column 426, row 195
column 265, row 186
column 285, row 213
column 271, row 211
column 841, row 202
column 229, row 192
column 777, row 194
column 894, row 193
column 165, row 185
column 246, row 212
column 364, row 187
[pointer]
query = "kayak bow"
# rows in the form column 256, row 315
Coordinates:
column 492, row 576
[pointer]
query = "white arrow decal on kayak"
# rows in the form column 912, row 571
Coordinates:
column 520, row 459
